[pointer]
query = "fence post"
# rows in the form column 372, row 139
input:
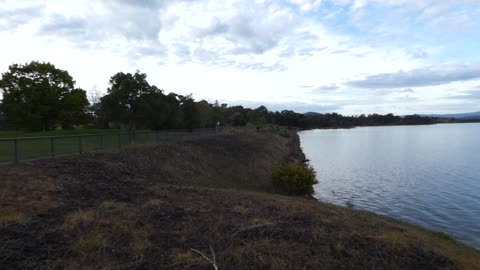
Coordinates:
column 15, row 143
column 101, row 141
column 52, row 147
column 80, row 146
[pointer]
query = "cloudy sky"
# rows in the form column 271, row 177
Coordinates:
column 347, row 56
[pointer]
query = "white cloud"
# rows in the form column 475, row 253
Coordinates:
column 307, row 5
column 348, row 52
column 428, row 76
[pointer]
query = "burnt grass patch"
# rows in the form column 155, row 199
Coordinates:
column 192, row 204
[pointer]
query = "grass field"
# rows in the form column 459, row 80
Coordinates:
column 60, row 132
column 35, row 145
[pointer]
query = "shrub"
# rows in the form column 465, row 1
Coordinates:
column 294, row 179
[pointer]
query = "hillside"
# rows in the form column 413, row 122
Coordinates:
column 163, row 206
column 472, row 115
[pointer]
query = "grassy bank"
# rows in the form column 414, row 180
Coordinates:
column 39, row 145
column 32, row 146
column 175, row 205
column 59, row 132
column 35, row 145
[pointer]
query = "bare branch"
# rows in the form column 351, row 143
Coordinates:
column 212, row 261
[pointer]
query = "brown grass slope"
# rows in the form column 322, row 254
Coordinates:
column 189, row 205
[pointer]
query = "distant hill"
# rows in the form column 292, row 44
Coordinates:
column 472, row 115
column 461, row 116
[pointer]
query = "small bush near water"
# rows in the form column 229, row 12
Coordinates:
column 294, row 179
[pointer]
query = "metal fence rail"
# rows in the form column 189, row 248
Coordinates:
column 31, row 148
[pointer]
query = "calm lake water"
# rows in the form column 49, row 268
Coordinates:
column 426, row 175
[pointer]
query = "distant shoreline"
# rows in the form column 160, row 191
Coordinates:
column 351, row 127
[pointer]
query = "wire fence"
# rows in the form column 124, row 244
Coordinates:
column 32, row 148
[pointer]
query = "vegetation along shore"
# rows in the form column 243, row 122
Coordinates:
column 204, row 203
column 131, row 102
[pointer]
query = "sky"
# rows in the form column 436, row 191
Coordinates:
column 345, row 56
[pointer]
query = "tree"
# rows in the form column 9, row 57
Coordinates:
column 258, row 117
column 189, row 111
column 75, row 106
column 205, row 114
column 237, row 119
column 3, row 121
column 218, row 115
column 38, row 96
column 131, row 99
column 173, row 110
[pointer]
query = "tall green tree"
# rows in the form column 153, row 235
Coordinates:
column 189, row 110
column 130, row 99
column 237, row 119
column 3, row 122
column 205, row 114
column 39, row 96
column 259, row 116
column 173, row 111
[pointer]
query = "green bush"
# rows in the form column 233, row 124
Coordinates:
column 294, row 179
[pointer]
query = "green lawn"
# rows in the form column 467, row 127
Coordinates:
column 15, row 134
column 35, row 145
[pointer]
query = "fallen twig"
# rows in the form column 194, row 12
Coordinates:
column 213, row 261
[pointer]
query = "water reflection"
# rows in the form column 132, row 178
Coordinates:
column 428, row 175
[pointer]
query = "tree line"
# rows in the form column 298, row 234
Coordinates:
column 38, row 96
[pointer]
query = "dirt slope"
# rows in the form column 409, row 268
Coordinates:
column 159, row 207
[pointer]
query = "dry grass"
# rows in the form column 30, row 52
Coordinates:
column 262, row 254
column 241, row 210
column 441, row 243
column 139, row 243
column 187, row 258
column 392, row 238
column 153, row 203
column 101, row 233
column 260, row 221
column 108, row 205
column 150, row 208
column 79, row 218
column 11, row 216
column 25, row 193
column 89, row 242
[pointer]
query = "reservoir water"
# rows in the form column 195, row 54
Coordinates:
column 426, row 175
